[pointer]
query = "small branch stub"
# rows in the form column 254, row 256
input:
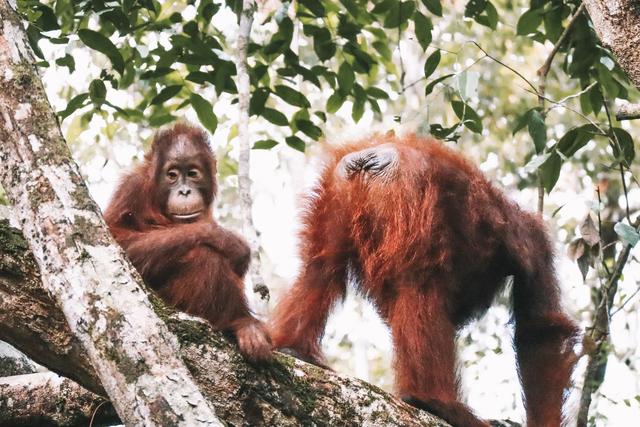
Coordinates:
column 628, row 111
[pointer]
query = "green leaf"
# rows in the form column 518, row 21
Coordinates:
column 433, row 84
column 489, row 18
column 626, row 144
column 377, row 93
column 357, row 111
column 441, row 132
column 158, row 72
column 627, row 233
column 98, row 42
column 483, row 12
column 334, row 102
column 362, row 60
column 275, row 117
column 67, row 61
column 423, row 27
column 433, row 6
column 607, row 81
column 474, row 8
column 33, row 35
column 536, row 161
column 553, row 23
column 166, row 94
column 47, row 20
column 384, row 6
column 585, row 103
column 76, row 102
column 576, row 138
column 522, row 121
column 537, row 130
column 529, row 22
column 308, row 128
column 295, row 142
column 346, row 78
column 315, row 7
column 161, row 119
column 292, row 96
column 265, row 144
column 550, row 171
column 399, row 15
column 597, row 101
column 258, row 101
column 468, row 116
column 97, row 91
column 431, row 63
column 204, row 111
column 348, row 29
column 324, row 47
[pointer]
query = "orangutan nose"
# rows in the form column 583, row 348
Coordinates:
column 184, row 191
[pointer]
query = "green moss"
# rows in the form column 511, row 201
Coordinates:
column 11, row 240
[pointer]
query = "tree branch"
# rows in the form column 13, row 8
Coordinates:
column 12, row 362
column 546, row 67
column 628, row 111
column 244, row 138
column 598, row 335
column 288, row 392
column 47, row 399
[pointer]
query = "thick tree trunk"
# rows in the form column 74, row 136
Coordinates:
column 129, row 347
column 286, row 393
column 617, row 23
column 45, row 399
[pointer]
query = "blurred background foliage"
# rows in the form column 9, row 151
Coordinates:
column 467, row 72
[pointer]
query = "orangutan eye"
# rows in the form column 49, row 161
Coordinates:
column 193, row 173
column 172, row 175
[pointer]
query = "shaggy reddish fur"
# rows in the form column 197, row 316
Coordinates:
column 430, row 246
column 197, row 267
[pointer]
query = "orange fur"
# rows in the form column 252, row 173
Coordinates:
column 196, row 267
column 430, row 245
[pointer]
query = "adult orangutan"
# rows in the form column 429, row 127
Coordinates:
column 161, row 214
column 430, row 242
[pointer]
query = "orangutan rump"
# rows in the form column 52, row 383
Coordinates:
column 430, row 242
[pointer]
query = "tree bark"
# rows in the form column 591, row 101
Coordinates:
column 99, row 292
column 617, row 23
column 628, row 111
column 12, row 362
column 244, row 160
column 45, row 399
column 288, row 392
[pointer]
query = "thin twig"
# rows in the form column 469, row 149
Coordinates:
column 604, row 264
column 542, row 84
column 614, row 139
column 513, row 70
column 573, row 110
column 95, row 411
column 626, row 301
column 575, row 95
column 544, row 70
